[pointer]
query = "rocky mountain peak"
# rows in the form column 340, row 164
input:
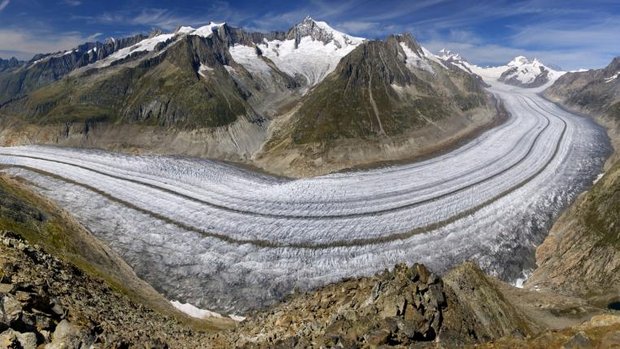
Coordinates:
column 519, row 60
column 410, row 41
column 320, row 31
column 447, row 55
column 522, row 60
column 6, row 64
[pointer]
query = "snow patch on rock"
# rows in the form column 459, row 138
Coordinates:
column 612, row 78
column 415, row 62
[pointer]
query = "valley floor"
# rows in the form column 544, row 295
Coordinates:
column 231, row 240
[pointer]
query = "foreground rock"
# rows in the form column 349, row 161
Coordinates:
column 45, row 302
column 404, row 307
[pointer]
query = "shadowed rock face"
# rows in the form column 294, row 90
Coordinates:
column 9, row 64
column 594, row 91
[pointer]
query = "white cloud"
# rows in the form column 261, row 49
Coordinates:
column 24, row 44
column 358, row 26
column 72, row 2
column 4, row 4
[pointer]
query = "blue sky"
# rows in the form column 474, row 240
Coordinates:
column 570, row 34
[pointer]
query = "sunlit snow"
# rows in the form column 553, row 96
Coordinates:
column 612, row 78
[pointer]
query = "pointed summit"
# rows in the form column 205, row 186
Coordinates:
column 320, row 31
column 518, row 61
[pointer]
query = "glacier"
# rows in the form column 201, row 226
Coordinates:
column 231, row 240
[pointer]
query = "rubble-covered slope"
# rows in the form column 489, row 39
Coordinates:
column 87, row 276
column 403, row 307
column 46, row 301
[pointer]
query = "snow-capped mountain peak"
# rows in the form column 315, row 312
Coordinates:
column 310, row 50
column 525, row 72
column 204, row 31
column 520, row 71
column 321, row 31
column 446, row 54
column 518, row 61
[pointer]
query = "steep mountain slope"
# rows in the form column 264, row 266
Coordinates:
column 520, row 71
column 308, row 101
column 582, row 253
column 167, row 90
column 593, row 91
column 44, row 69
column 42, row 223
column 375, row 106
column 9, row 64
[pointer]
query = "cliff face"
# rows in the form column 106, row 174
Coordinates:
column 581, row 255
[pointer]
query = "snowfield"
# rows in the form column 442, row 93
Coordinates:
column 230, row 240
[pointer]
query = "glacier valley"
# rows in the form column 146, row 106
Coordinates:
column 230, row 240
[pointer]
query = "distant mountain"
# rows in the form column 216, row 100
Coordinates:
column 594, row 91
column 44, row 69
column 9, row 64
column 520, row 71
column 227, row 93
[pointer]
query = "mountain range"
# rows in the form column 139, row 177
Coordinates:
column 307, row 101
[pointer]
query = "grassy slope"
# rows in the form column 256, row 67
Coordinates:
column 41, row 222
column 341, row 106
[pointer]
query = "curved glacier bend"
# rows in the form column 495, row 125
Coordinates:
column 231, row 240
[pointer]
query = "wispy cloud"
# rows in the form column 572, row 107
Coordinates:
column 25, row 45
column 72, row 2
column 4, row 4
column 152, row 18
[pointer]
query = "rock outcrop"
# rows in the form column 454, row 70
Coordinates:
column 45, row 302
column 403, row 307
